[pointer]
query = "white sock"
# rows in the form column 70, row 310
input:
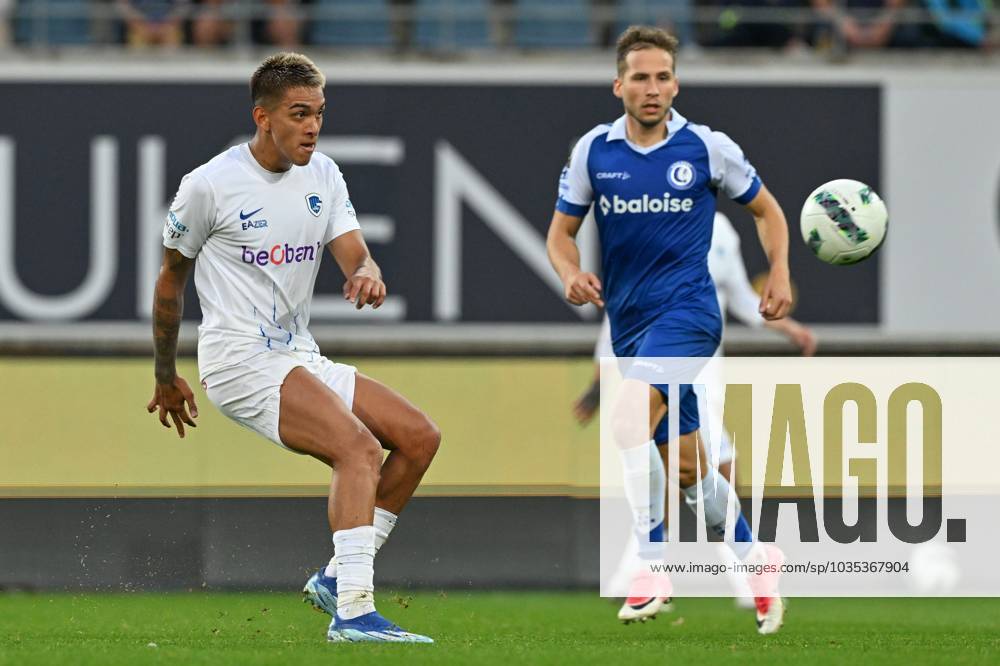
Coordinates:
column 715, row 494
column 737, row 581
column 713, row 501
column 384, row 522
column 640, row 465
column 355, row 558
column 657, row 486
column 331, row 567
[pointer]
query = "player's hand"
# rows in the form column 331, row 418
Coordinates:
column 365, row 287
column 776, row 299
column 586, row 405
column 173, row 399
column 584, row 288
column 803, row 338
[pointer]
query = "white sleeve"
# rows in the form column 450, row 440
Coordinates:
column 342, row 216
column 741, row 300
column 191, row 216
column 732, row 172
column 575, row 191
column 603, row 347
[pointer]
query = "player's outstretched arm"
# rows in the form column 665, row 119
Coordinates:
column 772, row 229
column 171, row 394
column 743, row 303
column 797, row 333
column 587, row 404
column 364, row 285
column 578, row 287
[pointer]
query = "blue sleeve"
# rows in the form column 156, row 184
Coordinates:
column 751, row 192
column 576, row 210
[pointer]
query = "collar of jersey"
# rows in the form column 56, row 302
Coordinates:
column 255, row 166
column 674, row 123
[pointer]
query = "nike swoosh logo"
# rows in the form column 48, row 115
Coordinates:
column 251, row 214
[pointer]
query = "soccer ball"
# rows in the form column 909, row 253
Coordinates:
column 843, row 221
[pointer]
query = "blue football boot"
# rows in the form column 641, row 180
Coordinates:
column 370, row 628
column 320, row 591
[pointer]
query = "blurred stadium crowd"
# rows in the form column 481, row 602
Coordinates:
column 465, row 26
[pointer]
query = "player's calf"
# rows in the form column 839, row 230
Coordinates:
column 688, row 469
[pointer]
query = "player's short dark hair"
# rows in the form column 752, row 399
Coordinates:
column 280, row 72
column 639, row 37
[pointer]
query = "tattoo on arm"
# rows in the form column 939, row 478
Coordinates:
column 168, row 308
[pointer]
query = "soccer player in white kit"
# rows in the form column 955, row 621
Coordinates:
column 253, row 223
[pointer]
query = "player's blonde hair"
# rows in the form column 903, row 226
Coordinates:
column 639, row 37
column 280, row 72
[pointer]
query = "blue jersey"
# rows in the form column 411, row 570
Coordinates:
column 655, row 208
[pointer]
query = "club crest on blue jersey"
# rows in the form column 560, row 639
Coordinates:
column 314, row 203
column 681, row 175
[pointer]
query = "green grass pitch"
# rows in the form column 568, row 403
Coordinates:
column 510, row 628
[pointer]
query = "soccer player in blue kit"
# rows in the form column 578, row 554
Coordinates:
column 653, row 178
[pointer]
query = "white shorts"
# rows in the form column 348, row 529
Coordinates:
column 250, row 392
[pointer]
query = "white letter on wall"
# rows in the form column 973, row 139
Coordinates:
column 151, row 215
column 103, row 265
column 456, row 181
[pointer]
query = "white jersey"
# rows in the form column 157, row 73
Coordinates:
column 258, row 237
column 732, row 286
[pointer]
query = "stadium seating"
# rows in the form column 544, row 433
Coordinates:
column 548, row 24
column 445, row 25
column 358, row 23
column 54, row 22
column 672, row 14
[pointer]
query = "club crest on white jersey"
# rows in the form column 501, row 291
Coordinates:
column 314, row 203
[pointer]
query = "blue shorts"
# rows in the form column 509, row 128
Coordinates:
column 674, row 338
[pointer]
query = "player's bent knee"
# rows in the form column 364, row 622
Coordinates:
column 360, row 452
column 628, row 432
column 687, row 477
column 368, row 453
column 428, row 440
column 687, row 472
column 629, row 420
column 418, row 440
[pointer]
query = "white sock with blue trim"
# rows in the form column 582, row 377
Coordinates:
column 644, row 485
